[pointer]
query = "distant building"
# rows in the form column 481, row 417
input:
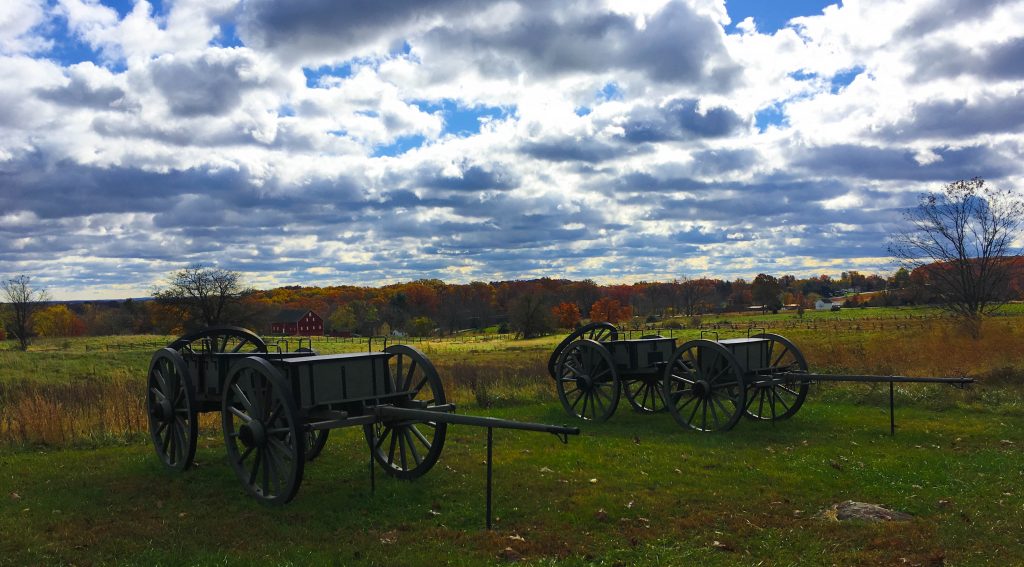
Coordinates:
column 303, row 323
column 828, row 304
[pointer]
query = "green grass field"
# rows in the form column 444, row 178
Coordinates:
column 79, row 483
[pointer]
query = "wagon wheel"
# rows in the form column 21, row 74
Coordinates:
column 644, row 393
column 778, row 401
column 599, row 332
column 261, row 426
column 220, row 339
column 171, row 406
column 703, row 387
column 588, row 384
column 315, row 441
column 408, row 448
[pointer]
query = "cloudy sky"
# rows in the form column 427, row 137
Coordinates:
column 366, row 142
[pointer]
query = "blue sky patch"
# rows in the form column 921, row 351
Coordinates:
column 772, row 16
column 611, row 91
column 399, row 146
column 68, row 49
column 844, row 78
column 771, row 116
column 460, row 120
column 125, row 7
column 228, row 36
column 313, row 76
column 802, row 75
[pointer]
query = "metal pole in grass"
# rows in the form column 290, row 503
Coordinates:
column 490, row 439
column 892, row 412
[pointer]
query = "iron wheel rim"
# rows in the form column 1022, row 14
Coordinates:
column 220, row 339
column 407, row 449
column 783, row 356
column 644, row 394
column 171, row 409
column 600, row 331
column 270, row 467
column 587, row 379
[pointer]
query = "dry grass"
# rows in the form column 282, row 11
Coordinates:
column 60, row 414
column 89, row 405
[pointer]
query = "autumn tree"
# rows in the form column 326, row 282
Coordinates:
column 422, row 326
column 610, row 310
column 57, row 321
column 359, row 316
column 206, row 295
column 567, row 315
column 962, row 240
column 23, row 301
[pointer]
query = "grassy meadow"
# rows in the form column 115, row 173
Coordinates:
column 79, row 483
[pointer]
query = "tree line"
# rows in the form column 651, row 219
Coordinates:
column 199, row 296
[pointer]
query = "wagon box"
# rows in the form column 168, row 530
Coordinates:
column 339, row 378
column 642, row 356
column 750, row 353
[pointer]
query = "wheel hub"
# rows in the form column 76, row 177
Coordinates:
column 583, row 382
column 162, row 410
column 701, row 389
column 253, row 434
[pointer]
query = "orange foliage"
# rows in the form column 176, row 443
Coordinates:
column 610, row 310
column 566, row 314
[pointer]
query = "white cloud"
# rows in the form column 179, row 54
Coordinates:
column 616, row 139
column 18, row 20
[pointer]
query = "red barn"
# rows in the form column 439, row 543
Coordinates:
column 298, row 323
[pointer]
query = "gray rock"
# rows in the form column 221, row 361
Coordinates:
column 850, row 510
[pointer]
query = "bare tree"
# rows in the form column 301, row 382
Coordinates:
column 962, row 241
column 202, row 293
column 530, row 315
column 23, row 300
column 696, row 296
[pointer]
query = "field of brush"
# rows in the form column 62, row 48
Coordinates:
column 79, row 483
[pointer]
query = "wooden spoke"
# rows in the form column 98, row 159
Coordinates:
column 598, row 332
column 704, row 374
column 401, row 448
column 262, row 431
column 587, row 381
column 172, row 410
column 786, row 394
